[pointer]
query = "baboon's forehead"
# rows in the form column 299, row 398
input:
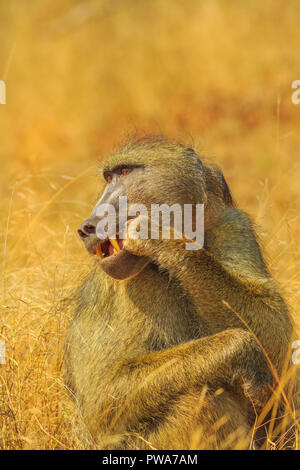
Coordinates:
column 149, row 154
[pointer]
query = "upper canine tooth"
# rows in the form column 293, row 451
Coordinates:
column 115, row 244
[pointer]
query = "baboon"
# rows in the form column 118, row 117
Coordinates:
column 172, row 348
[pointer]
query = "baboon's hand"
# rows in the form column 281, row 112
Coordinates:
column 251, row 370
column 139, row 239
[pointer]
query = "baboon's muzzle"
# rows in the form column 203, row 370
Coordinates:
column 114, row 259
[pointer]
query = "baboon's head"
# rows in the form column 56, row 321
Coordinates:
column 148, row 171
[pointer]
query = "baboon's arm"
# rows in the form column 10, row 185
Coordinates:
column 250, row 296
column 153, row 380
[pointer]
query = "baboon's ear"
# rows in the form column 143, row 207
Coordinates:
column 216, row 184
column 226, row 192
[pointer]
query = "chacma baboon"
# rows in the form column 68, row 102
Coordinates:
column 172, row 348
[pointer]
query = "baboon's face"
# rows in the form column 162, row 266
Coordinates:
column 114, row 260
column 159, row 182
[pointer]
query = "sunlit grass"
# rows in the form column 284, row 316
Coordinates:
column 214, row 74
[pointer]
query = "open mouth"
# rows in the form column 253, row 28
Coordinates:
column 115, row 260
column 109, row 247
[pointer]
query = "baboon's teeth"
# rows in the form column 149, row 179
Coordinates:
column 99, row 251
column 115, row 245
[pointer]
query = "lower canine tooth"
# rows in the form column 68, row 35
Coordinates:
column 115, row 245
column 99, row 251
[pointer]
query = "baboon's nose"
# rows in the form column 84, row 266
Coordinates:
column 85, row 230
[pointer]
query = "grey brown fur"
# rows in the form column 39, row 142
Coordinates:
column 157, row 360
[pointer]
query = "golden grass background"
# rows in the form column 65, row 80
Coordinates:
column 79, row 74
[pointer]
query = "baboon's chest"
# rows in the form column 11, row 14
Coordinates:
column 122, row 322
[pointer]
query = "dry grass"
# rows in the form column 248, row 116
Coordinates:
column 213, row 72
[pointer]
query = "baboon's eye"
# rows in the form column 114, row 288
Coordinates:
column 120, row 171
column 125, row 171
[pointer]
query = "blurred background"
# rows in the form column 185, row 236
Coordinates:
column 79, row 76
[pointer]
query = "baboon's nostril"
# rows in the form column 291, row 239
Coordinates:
column 89, row 228
column 86, row 230
column 82, row 234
